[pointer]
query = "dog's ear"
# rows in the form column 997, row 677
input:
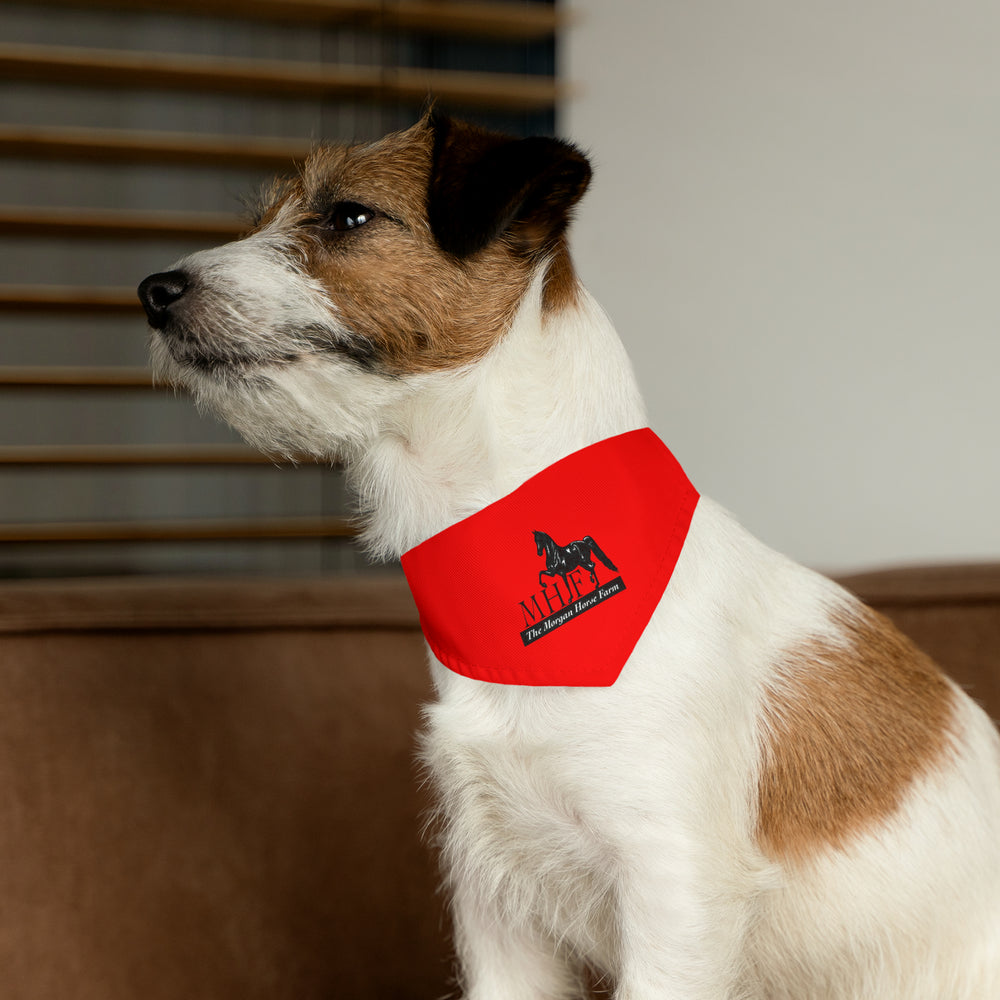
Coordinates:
column 484, row 185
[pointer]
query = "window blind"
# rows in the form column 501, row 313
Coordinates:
column 129, row 131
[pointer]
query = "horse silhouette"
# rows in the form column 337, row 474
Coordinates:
column 561, row 560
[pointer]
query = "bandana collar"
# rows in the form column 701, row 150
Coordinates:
column 503, row 601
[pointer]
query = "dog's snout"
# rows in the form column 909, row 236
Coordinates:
column 159, row 292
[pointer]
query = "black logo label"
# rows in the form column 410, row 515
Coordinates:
column 554, row 605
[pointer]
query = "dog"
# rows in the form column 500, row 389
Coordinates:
column 778, row 797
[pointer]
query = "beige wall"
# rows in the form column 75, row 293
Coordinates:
column 795, row 223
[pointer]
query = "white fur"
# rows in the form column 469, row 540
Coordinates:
column 614, row 827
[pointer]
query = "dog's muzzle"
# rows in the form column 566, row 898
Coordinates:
column 159, row 292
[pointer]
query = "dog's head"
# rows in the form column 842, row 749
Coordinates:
column 377, row 264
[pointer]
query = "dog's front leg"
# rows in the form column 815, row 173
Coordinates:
column 681, row 933
column 503, row 960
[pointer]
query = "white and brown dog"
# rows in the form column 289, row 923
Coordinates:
column 779, row 797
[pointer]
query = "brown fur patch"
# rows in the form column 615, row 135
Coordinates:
column 416, row 306
column 848, row 729
column 561, row 283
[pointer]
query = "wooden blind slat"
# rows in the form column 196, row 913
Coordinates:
column 161, row 148
column 116, row 224
column 69, row 299
column 491, row 20
column 188, row 530
column 503, row 21
column 150, row 70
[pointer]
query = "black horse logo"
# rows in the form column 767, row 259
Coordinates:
column 560, row 560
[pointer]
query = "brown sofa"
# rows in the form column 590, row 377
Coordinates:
column 207, row 788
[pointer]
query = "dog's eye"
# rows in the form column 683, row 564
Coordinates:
column 348, row 215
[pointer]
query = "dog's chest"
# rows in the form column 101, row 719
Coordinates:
column 517, row 823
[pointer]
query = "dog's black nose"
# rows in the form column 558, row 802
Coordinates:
column 159, row 292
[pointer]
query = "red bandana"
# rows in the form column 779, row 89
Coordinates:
column 505, row 601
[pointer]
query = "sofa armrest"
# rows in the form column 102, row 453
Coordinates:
column 208, row 790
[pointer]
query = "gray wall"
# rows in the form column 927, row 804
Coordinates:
column 795, row 223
